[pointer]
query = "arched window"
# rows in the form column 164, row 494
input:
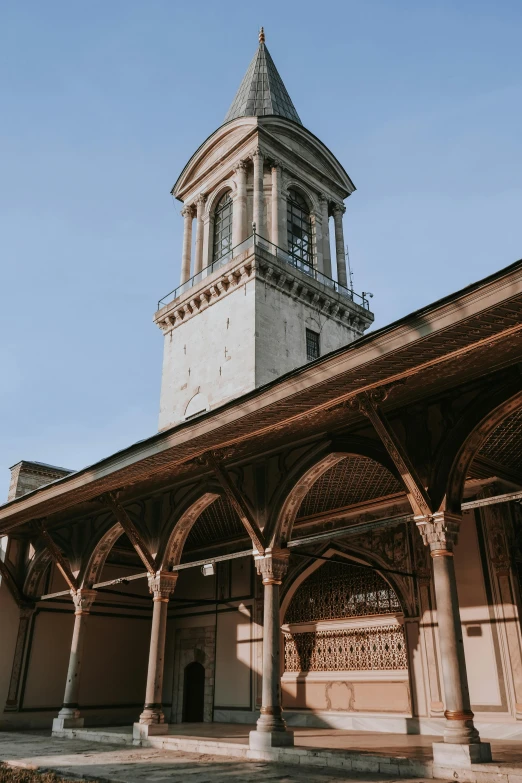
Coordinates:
column 299, row 224
column 222, row 227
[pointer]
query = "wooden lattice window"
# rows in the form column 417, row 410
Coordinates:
column 336, row 591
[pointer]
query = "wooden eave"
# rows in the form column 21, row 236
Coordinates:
column 467, row 335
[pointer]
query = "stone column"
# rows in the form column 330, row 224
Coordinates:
column 271, row 728
column 257, row 157
column 327, row 256
column 275, row 199
column 69, row 715
column 200, row 214
column 339, row 211
column 188, row 214
column 462, row 743
column 239, row 217
column 152, row 719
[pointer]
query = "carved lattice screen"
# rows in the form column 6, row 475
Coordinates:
column 355, row 649
column 336, row 591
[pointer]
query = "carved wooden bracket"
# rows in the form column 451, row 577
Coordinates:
column 12, row 585
column 58, row 559
column 367, row 403
column 132, row 532
column 239, row 504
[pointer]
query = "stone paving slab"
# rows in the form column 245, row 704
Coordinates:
column 79, row 758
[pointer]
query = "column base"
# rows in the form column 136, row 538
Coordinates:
column 449, row 754
column 59, row 724
column 141, row 731
column 264, row 740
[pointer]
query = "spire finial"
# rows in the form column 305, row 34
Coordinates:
column 262, row 35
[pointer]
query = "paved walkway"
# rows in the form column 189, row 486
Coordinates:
column 78, row 758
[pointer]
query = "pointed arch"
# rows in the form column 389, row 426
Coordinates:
column 35, row 573
column 173, row 548
column 92, row 572
column 476, row 436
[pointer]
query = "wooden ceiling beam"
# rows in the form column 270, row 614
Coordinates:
column 131, row 531
column 58, row 559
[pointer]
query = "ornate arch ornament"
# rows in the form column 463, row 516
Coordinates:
column 171, row 551
column 310, row 198
column 92, row 572
column 35, row 573
column 308, row 470
column 228, row 185
column 479, row 427
column 355, row 556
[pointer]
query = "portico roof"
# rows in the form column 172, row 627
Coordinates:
column 465, row 336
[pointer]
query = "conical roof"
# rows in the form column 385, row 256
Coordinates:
column 262, row 90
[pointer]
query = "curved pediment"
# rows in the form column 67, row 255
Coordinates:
column 302, row 143
column 215, row 149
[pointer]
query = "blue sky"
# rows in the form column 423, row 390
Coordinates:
column 104, row 102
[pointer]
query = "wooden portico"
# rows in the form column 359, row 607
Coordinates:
column 368, row 456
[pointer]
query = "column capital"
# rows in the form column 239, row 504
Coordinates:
column 323, row 198
column 276, row 164
column 339, row 209
column 272, row 566
column 439, row 531
column 257, row 154
column 240, row 166
column 201, row 201
column 162, row 584
column 188, row 211
column 83, row 600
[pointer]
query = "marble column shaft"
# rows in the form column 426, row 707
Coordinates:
column 257, row 157
column 198, row 256
column 440, row 532
column 275, row 202
column 338, row 213
column 272, row 568
column 83, row 600
column 188, row 214
column 161, row 586
column 239, row 219
column 327, row 256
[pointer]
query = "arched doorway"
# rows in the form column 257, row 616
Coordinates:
column 193, row 693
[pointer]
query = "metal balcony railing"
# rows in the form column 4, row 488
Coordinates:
column 255, row 240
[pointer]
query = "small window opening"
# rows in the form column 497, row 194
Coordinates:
column 312, row 344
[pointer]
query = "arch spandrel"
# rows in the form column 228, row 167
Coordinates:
column 172, row 550
column 310, row 469
column 478, row 432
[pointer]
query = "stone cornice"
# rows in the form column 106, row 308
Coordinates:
column 278, row 275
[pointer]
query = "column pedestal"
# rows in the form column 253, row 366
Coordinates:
column 271, row 731
column 69, row 716
column 152, row 719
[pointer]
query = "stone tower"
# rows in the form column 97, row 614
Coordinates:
column 257, row 296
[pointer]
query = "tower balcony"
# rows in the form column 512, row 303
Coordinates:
column 259, row 258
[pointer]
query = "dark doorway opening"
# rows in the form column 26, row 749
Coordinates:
column 193, row 693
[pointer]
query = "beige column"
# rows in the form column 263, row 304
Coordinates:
column 188, row 214
column 440, row 532
column 257, row 157
column 239, row 217
column 338, row 211
column 327, row 256
column 275, row 201
column 69, row 715
column 271, row 729
column 152, row 719
column 200, row 214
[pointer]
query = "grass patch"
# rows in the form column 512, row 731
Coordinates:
column 19, row 775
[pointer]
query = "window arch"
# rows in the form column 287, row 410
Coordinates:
column 222, row 227
column 299, row 227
